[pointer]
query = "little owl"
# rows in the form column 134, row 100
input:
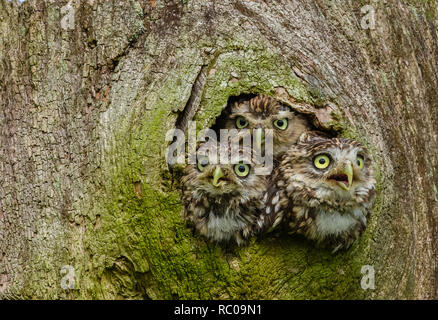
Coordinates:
column 223, row 201
column 324, row 188
column 263, row 112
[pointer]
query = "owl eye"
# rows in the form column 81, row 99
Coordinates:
column 241, row 169
column 202, row 163
column 322, row 161
column 360, row 162
column 241, row 122
column 281, row 124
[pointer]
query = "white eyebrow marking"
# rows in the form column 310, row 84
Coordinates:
column 284, row 113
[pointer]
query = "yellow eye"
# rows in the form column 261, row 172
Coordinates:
column 322, row 161
column 360, row 162
column 241, row 122
column 241, row 169
column 202, row 163
column 281, row 124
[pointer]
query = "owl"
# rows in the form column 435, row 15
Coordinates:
column 223, row 201
column 324, row 189
column 263, row 112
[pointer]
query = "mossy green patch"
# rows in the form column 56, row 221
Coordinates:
column 253, row 70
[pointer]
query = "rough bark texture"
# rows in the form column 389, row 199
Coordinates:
column 83, row 117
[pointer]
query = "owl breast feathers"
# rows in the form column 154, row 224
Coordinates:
column 223, row 201
column 324, row 189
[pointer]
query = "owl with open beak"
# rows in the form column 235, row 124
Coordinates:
column 324, row 189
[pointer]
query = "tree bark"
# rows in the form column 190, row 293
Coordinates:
column 90, row 88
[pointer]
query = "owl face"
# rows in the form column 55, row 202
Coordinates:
column 221, row 180
column 264, row 112
column 335, row 169
column 223, row 200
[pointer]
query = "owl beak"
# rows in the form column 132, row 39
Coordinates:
column 348, row 171
column 344, row 177
column 217, row 175
column 260, row 137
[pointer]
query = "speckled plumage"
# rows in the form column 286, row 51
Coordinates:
column 321, row 204
column 261, row 112
column 229, row 210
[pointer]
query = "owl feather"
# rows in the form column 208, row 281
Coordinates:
column 323, row 189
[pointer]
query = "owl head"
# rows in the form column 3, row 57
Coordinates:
column 235, row 179
column 335, row 171
column 263, row 112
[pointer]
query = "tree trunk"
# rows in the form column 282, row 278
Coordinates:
column 88, row 207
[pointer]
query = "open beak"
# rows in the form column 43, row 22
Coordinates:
column 217, row 175
column 348, row 170
column 344, row 178
column 260, row 137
